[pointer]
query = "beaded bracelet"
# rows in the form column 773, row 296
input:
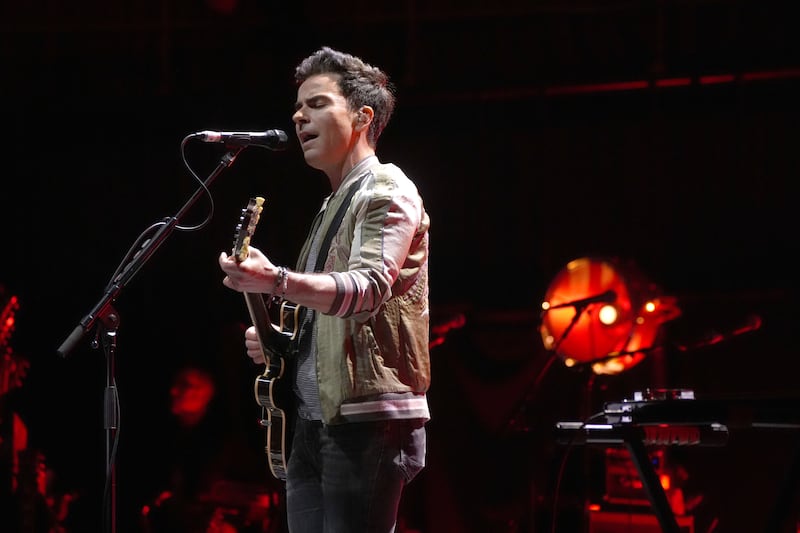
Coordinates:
column 281, row 282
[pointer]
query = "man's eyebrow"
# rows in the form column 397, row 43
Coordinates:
column 299, row 103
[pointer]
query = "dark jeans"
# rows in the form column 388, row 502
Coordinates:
column 349, row 478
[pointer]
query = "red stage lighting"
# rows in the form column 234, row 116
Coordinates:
column 603, row 312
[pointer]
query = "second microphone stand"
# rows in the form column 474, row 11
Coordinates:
column 104, row 312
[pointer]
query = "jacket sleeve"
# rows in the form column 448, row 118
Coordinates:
column 388, row 212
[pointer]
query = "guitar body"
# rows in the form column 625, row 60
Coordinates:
column 274, row 395
column 273, row 392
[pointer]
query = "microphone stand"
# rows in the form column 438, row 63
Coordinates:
column 104, row 312
column 511, row 423
column 579, row 310
column 109, row 326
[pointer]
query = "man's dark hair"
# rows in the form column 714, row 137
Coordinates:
column 361, row 84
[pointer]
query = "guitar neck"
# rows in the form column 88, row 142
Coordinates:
column 260, row 318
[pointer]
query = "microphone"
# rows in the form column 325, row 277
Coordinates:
column 751, row 323
column 606, row 297
column 271, row 139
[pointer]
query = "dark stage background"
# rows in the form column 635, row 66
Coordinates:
column 531, row 148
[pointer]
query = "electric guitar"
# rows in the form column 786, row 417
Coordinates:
column 272, row 391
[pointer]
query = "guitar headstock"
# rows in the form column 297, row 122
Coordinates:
column 246, row 228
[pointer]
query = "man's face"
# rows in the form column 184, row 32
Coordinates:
column 323, row 122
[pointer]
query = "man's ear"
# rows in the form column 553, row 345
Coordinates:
column 364, row 117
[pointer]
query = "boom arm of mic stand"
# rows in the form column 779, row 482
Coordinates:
column 102, row 308
column 533, row 388
column 579, row 310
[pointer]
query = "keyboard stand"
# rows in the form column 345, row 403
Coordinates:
column 632, row 437
column 639, row 423
column 651, row 483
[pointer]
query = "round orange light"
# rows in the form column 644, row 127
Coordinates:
column 596, row 312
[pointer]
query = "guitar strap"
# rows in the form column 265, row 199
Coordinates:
column 335, row 223
column 323, row 254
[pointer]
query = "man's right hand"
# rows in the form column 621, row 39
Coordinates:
column 253, row 346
